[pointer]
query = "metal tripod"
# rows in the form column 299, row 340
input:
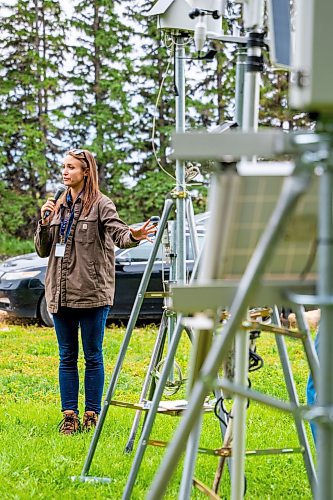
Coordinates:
column 239, row 298
column 184, row 209
column 221, row 203
column 166, row 326
column 153, row 410
column 250, row 110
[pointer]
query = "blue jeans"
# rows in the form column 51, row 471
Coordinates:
column 92, row 324
column 311, row 395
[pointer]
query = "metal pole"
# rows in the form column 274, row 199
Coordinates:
column 239, row 88
column 180, row 168
column 244, row 109
column 251, row 101
column 190, row 459
column 192, row 228
column 293, row 397
column 253, row 20
column 172, row 279
column 158, row 346
column 239, row 424
column 325, row 289
column 179, row 231
column 203, row 338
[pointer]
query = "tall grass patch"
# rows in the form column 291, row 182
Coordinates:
column 37, row 462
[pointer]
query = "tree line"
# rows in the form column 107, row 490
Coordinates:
column 90, row 79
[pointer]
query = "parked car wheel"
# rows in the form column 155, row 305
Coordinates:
column 45, row 316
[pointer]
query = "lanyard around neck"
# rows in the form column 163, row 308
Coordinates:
column 67, row 222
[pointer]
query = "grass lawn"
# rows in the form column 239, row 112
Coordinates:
column 37, row 462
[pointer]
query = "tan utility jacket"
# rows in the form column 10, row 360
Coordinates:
column 85, row 276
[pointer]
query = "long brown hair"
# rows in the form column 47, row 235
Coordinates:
column 91, row 187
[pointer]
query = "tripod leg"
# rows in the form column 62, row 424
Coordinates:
column 226, row 444
column 142, row 445
column 149, row 421
column 192, row 227
column 290, row 384
column 190, row 459
column 309, row 348
column 152, row 387
column 158, row 360
column 202, row 346
column 189, row 333
column 148, row 380
column 238, row 448
column 130, row 326
column 200, row 350
column 172, row 320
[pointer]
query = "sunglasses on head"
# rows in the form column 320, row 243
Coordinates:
column 76, row 152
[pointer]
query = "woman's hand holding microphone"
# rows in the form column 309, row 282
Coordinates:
column 50, row 204
column 46, row 210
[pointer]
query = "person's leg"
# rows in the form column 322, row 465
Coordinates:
column 92, row 322
column 66, row 326
column 311, row 395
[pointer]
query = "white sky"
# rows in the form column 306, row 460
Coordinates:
column 67, row 5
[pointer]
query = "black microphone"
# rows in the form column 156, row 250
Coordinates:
column 59, row 192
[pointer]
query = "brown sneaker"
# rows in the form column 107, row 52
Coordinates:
column 70, row 424
column 89, row 420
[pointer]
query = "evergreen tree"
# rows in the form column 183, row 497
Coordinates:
column 32, row 47
column 274, row 102
column 98, row 85
column 152, row 118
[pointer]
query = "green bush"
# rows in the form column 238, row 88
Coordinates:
column 11, row 246
column 18, row 214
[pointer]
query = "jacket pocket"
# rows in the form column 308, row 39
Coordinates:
column 85, row 231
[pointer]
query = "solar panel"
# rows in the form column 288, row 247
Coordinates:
column 251, row 204
column 246, row 206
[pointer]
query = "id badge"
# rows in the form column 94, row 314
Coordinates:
column 60, row 250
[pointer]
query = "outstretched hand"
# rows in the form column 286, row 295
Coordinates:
column 144, row 232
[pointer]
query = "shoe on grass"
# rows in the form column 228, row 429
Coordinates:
column 70, row 424
column 89, row 420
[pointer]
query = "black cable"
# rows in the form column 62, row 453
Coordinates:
column 245, row 485
column 255, row 361
column 220, row 402
column 174, row 74
column 312, row 254
column 249, row 386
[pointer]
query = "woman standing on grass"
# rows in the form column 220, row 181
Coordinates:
column 78, row 234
